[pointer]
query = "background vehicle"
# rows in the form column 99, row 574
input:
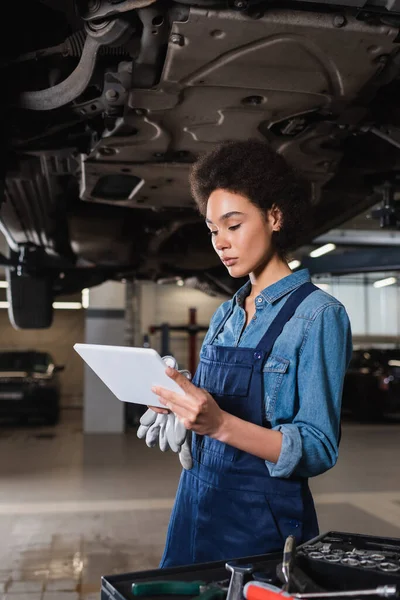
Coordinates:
column 107, row 103
column 372, row 384
column 29, row 386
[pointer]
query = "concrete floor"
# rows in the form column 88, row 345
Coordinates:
column 74, row 507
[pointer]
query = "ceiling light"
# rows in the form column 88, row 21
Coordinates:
column 56, row 305
column 294, row 264
column 394, row 363
column 180, row 282
column 322, row 250
column 384, row 282
column 3, row 284
column 67, row 305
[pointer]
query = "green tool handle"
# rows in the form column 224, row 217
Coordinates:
column 212, row 593
column 168, row 588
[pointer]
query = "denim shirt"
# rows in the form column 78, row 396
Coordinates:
column 303, row 376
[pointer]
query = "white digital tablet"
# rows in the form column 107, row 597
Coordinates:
column 128, row 372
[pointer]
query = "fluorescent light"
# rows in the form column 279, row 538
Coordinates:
column 322, row 250
column 3, row 284
column 294, row 264
column 394, row 363
column 56, row 305
column 67, row 305
column 384, row 282
column 85, row 298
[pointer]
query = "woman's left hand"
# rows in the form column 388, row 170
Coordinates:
column 196, row 409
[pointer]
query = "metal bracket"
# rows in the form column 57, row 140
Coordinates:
column 101, row 9
column 77, row 82
column 379, row 133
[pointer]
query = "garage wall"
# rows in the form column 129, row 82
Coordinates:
column 68, row 328
column 374, row 312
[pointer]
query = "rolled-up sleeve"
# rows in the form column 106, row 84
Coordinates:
column 310, row 440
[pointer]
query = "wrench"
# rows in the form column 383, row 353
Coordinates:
column 289, row 555
column 237, row 579
column 257, row 590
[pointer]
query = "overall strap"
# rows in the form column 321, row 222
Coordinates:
column 284, row 315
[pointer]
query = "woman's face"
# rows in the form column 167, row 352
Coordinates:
column 240, row 233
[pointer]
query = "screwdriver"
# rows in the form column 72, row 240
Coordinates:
column 257, row 590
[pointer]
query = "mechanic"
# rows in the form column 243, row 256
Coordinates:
column 264, row 405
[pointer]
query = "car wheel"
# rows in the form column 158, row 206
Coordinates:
column 30, row 300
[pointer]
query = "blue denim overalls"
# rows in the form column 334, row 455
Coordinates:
column 227, row 505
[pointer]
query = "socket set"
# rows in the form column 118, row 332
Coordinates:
column 363, row 559
column 351, row 557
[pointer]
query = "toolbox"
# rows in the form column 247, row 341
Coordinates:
column 336, row 561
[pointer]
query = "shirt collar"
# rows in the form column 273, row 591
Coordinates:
column 277, row 290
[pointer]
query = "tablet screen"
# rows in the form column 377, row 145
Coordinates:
column 128, row 372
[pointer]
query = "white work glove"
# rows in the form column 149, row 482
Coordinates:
column 167, row 429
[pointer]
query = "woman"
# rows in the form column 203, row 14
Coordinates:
column 264, row 405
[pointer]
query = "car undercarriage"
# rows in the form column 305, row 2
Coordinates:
column 108, row 102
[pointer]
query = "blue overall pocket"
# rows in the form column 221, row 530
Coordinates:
column 224, row 379
column 228, row 384
column 232, row 523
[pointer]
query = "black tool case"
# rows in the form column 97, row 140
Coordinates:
column 314, row 558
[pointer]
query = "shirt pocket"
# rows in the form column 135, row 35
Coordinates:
column 274, row 371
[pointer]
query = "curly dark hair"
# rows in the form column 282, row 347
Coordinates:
column 251, row 168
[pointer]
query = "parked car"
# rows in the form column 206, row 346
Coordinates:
column 29, row 386
column 372, row 384
column 391, row 383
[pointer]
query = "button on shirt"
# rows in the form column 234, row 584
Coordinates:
column 303, row 376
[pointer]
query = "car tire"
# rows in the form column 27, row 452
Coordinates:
column 30, row 300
